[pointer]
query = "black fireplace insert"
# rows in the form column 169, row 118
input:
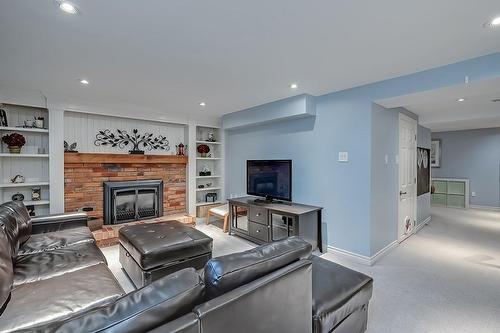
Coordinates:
column 127, row 201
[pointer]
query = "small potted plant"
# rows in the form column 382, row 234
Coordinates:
column 203, row 150
column 14, row 142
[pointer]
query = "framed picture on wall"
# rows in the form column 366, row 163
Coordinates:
column 3, row 118
column 436, row 153
column 423, row 171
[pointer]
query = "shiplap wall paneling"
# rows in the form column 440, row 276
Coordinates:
column 82, row 129
column 7, row 193
column 17, row 114
column 212, row 165
column 36, row 143
column 33, row 169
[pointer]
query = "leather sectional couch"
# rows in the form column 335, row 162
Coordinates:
column 58, row 281
column 47, row 275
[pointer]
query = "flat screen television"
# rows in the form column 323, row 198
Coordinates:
column 271, row 179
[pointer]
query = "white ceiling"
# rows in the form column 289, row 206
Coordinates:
column 170, row 55
column 439, row 109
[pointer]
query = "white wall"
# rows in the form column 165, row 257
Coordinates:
column 83, row 127
column 56, row 160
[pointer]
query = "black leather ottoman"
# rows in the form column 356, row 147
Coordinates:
column 340, row 298
column 151, row 251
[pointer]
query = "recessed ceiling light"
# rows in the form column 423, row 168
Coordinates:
column 461, row 100
column 294, row 86
column 494, row 23
column 203, row 104
column 67, row 7
column 84, row 81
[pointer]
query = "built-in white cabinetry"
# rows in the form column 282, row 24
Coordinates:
column 32, row 162
column 213, row 161
column 450, row 192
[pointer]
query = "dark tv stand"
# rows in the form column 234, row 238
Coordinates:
column 262, row 221
column 270, row 200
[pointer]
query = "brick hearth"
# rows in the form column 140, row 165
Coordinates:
column 108, row 235
column 83, row 185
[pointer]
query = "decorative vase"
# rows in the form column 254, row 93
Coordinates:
column 14, row 149
column 38, row 123
column 203, row 154
column 180, row 149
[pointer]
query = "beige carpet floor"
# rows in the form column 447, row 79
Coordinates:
column 445, row 278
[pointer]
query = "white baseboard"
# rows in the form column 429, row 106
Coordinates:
column 369, row 261
column 485, row 207
column 383, row 252
column 358, row 258
column 422, row 224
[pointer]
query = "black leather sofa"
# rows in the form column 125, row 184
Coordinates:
column 58, row 282
column 47, row 274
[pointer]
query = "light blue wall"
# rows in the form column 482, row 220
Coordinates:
column 384, row 177
column 313, row 146
column 424, row 200
column 343, row 122
column 472, row 154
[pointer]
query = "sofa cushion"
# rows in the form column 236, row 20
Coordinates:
column 161, row 301
column 6, row 270
column 23, row 219
column 156, row 244
column 225, row 273
column 55, row 240
column 45, row 265
column 44, row 301
column 189, row 323
column 337, row 292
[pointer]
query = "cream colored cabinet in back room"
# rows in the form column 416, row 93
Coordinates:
column 450, row 192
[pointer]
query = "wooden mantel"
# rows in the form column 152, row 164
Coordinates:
column 123, row 158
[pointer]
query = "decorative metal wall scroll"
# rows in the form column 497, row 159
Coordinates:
column 122, row 139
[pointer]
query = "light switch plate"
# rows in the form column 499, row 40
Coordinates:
column 473, row 194
column 343, row 156
column 386, row 159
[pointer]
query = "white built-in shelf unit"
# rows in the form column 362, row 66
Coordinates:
column 214, row 161
column 450, row 192
column 33, row 161
column 208, row 177
column 208, row 203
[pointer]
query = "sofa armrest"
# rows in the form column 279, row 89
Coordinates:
column 56, row 222
column 277, row 302
column 338, row 292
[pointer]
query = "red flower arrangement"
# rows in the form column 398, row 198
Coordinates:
column 14, row 140
column 203, row 150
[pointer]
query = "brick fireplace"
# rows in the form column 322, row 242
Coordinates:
column 84, row 175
